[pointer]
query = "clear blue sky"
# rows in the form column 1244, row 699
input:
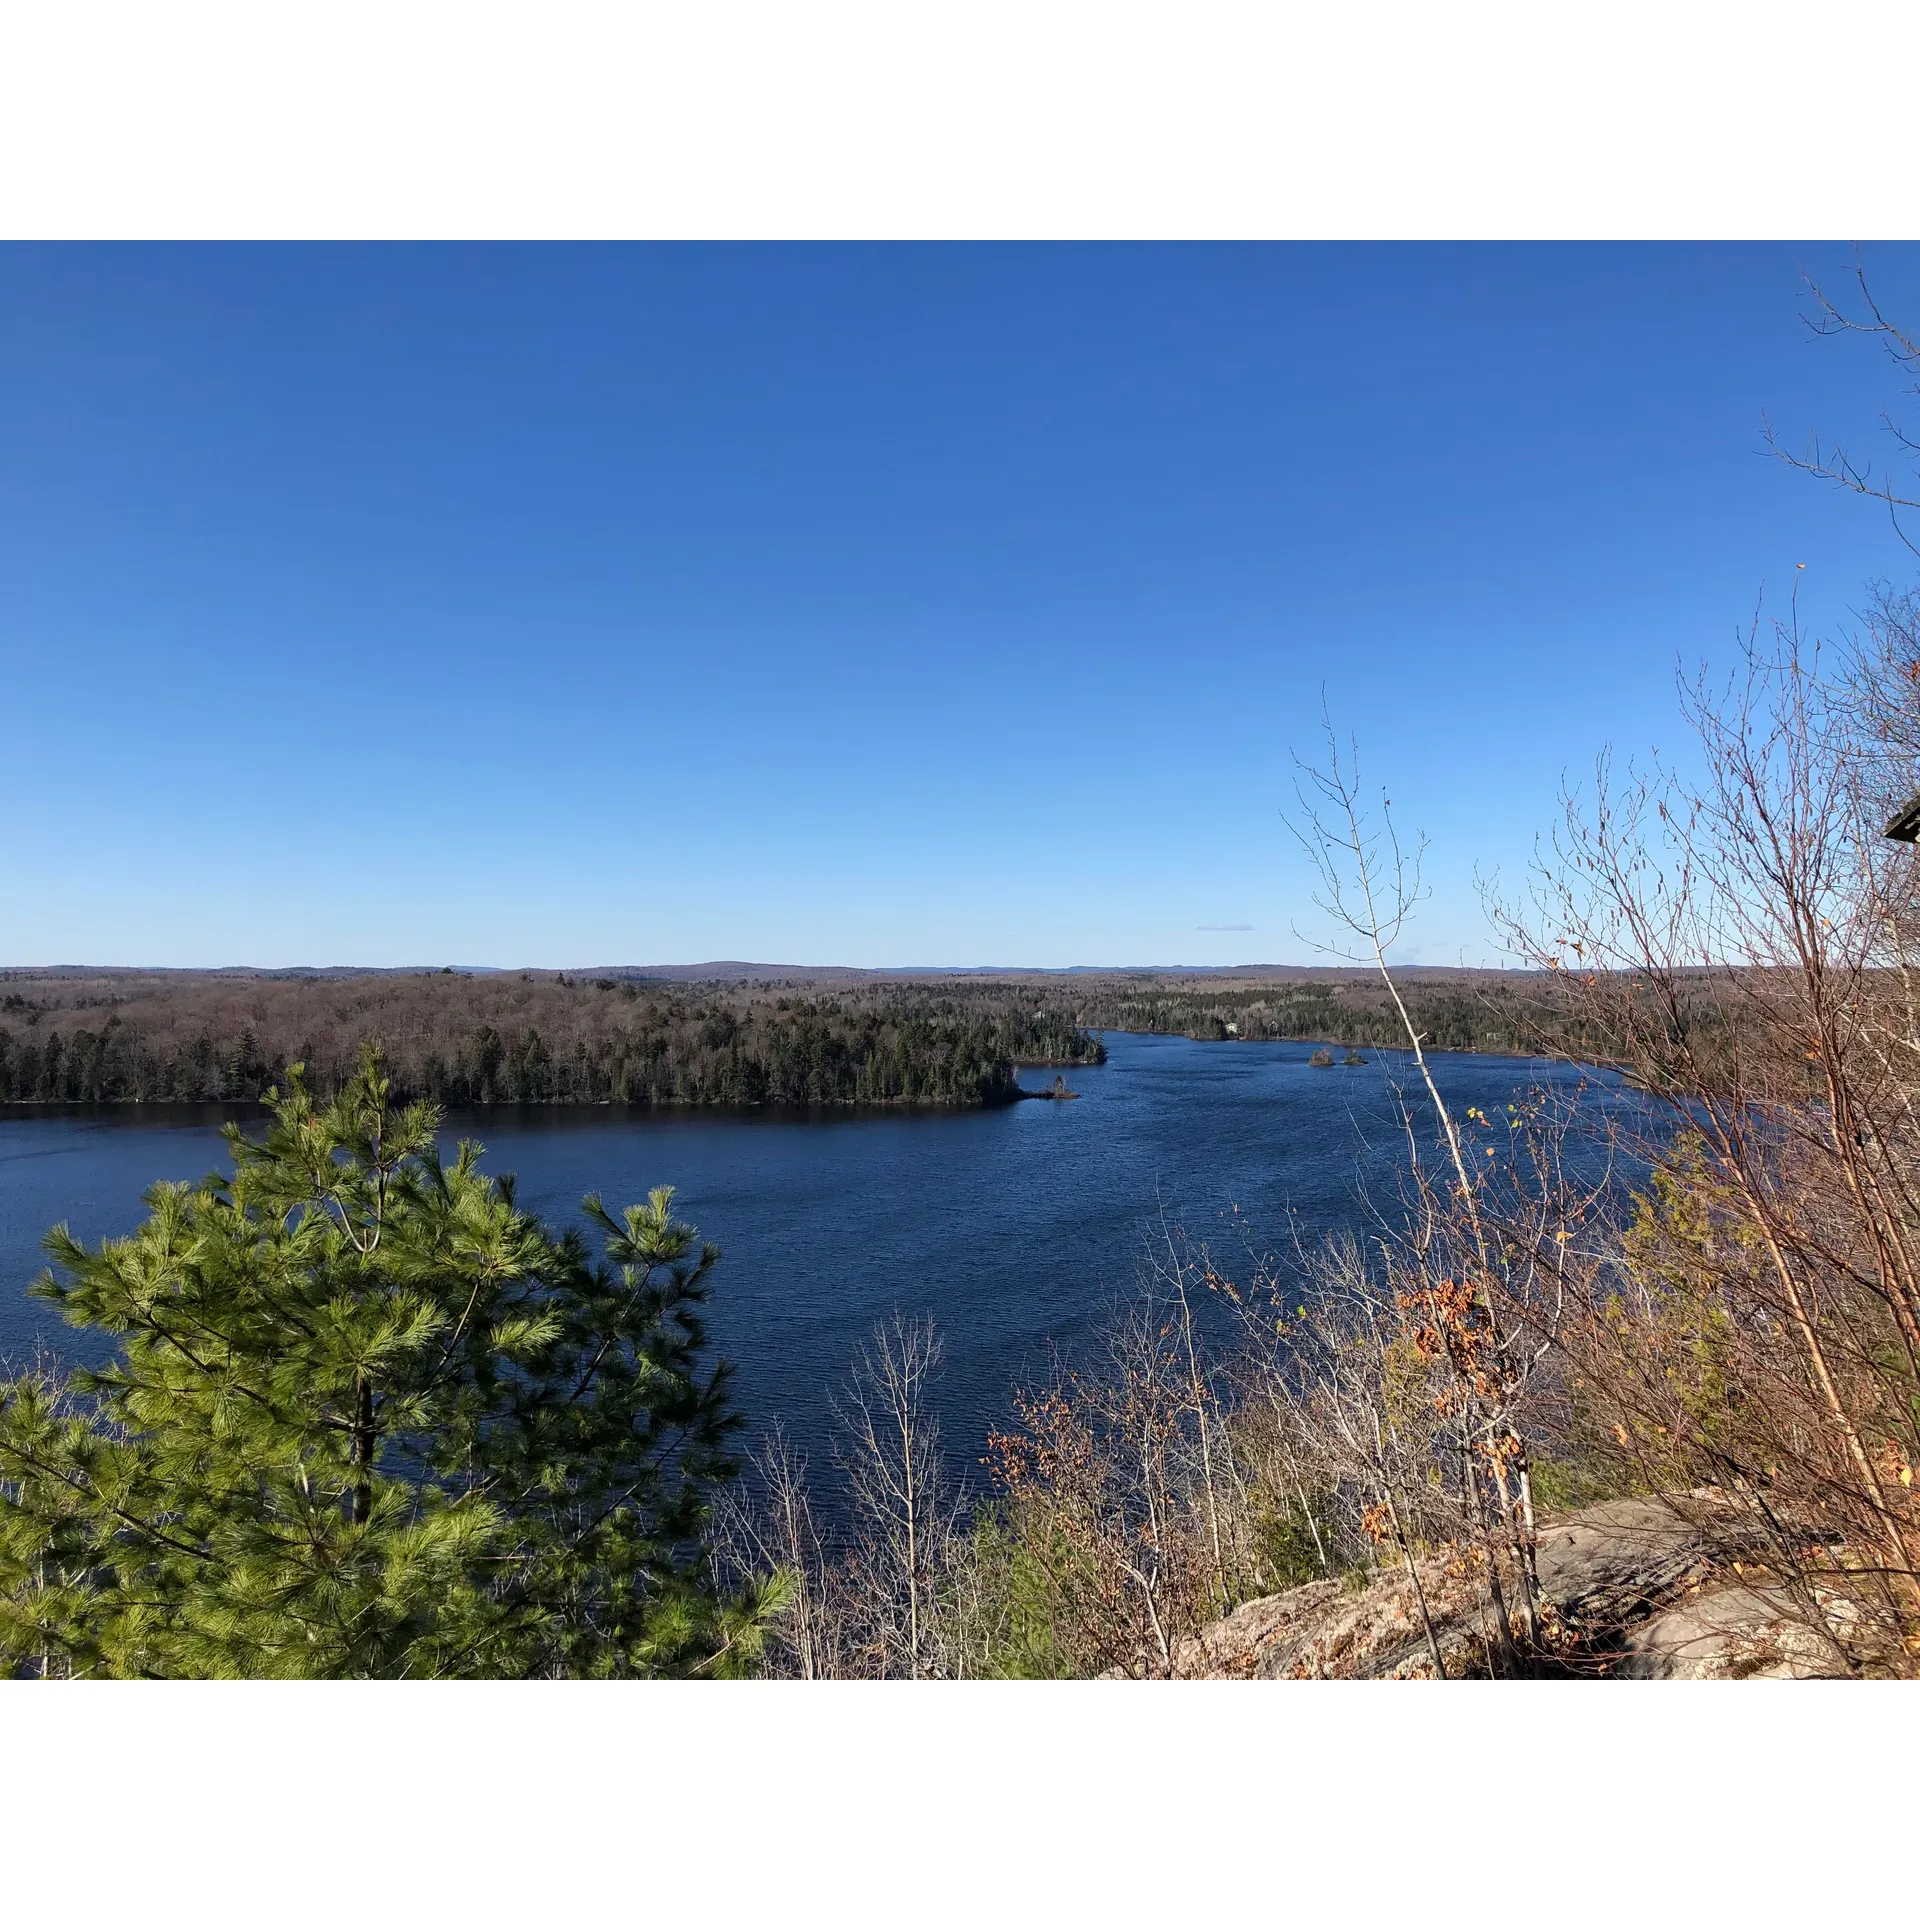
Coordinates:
column 871, row 605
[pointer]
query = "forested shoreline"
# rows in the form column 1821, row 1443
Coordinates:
column 754, row 1038
column 74, row 1036
column 1464, row 1011
column 462, row 1040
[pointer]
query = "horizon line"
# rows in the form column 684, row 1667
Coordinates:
column 660, row 969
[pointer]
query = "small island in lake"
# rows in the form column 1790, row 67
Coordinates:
column 1058, row 1091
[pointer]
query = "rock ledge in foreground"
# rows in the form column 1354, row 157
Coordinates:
column 1630, row 1588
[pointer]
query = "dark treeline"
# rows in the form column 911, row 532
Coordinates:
column 473, row 1040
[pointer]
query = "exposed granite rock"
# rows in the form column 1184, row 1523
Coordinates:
column 1732, row 1634
column 1629, row 1590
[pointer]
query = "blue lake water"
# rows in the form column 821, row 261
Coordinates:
column 1014, row 1228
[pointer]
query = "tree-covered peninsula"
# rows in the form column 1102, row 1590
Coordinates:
column 475, row 1040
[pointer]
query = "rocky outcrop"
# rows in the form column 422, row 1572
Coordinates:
column 1629, row 1589
column 1730, row 1634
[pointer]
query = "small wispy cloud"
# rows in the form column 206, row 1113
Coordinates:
column 1226, row 926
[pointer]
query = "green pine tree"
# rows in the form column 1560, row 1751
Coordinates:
column 369, row 1418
